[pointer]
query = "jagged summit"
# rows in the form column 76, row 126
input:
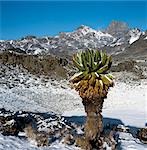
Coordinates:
column 81, row 27
column 117, row 26
column 85, row 29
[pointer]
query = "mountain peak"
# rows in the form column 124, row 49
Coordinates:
column 83, row 27
column 117, row 26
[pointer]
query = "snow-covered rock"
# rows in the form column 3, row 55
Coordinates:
column 134, row 35
column 128, row 142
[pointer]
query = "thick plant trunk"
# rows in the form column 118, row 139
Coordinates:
column 94, row 125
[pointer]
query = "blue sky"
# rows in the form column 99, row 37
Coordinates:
column 41, row 18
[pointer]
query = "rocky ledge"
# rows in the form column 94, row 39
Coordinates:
column 39, row 65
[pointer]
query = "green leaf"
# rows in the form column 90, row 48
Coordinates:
column 84, row 61
column 103, row 58
column 79, row 66
column 97, row 56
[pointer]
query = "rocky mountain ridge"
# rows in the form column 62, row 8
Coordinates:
column 118, row 36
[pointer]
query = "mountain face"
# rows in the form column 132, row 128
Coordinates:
column 118, row 29
column 138, row 46
column 117, row 37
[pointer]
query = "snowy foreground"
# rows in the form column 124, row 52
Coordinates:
column 126, row 104
column 15, row 143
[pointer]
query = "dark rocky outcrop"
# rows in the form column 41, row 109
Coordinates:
column 142, row 134
column 44, row 128
column 127, row 65
column 35, row 64
column 11, row 123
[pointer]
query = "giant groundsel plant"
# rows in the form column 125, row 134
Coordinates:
column 92, row 81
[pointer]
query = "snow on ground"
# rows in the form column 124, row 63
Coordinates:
column 145, row 38
column 126, row 102
column 16, row 143
column 128, row 142
column 21, row 91
column 43, row 98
